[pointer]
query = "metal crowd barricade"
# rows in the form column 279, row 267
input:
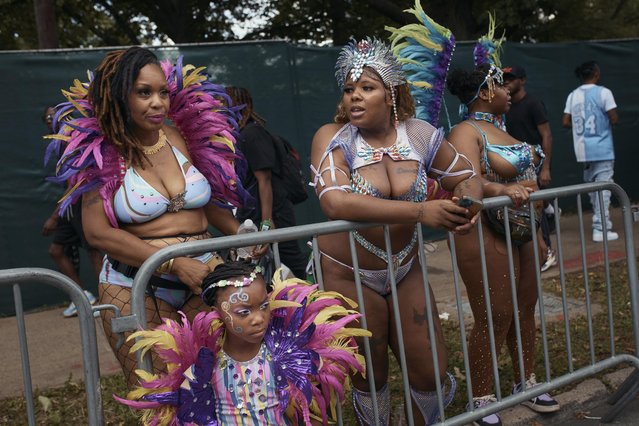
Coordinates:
column 631, row 387
column 91, row 366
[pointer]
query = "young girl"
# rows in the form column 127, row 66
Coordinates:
column 256, row 359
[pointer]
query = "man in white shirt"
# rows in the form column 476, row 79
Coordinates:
column 591, row 111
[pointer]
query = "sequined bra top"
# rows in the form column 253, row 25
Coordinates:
column 521, row 156
column 136, row 201
column 416, row 140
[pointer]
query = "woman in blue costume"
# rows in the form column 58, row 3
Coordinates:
column 145, row 184
column 372, row 165
column 508, row 167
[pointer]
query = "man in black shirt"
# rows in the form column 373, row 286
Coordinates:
column 527, row 121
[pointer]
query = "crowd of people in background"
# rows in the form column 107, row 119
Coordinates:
column 165, row 184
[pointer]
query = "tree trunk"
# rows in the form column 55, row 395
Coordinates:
column 336, row 13
column 46, row 24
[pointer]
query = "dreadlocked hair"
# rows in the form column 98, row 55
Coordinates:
column 587, row 70
column 109, row 91
column 241, row 96
column 403, row 98
column 464, row 84
column 224, row 271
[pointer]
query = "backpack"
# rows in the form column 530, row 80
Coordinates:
column 290, row 170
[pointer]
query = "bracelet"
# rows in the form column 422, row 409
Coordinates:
column 420, row 214
column 166, row 267
column 266, row 224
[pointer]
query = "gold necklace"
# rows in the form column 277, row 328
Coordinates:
column 156, row 147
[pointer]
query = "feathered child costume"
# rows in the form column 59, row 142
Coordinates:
column 302, row 365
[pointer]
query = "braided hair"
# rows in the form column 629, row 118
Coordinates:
column 587, row 70
column 223, row 271
column 112, row 83
column 241, row 96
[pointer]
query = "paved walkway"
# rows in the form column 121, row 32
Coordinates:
column 54, row 342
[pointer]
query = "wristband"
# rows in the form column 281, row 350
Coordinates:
column 265, row 225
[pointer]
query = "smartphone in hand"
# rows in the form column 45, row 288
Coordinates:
column 474, row 206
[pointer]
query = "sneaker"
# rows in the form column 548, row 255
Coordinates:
column 543, row 403
column 72, row 311
column 551, row 260
column 481, row 402
column 597, row 236
column 91, row 297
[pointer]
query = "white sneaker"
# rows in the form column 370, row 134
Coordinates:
column 597, row 236
column 551, row 260
column 543, row 403
column 91, row 297
column 489, row 420
column 72, row 311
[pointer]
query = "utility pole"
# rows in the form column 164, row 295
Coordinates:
column 46, row 24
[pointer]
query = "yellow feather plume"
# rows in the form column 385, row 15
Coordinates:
column 149, row 338
column 224, row 141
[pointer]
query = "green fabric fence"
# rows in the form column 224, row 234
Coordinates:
column 294, row 89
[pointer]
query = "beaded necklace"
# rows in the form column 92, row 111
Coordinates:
column 495, row 120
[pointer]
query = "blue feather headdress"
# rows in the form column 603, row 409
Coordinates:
column 425, row 51
column 487, row 49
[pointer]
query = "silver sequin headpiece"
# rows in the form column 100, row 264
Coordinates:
column 371, row 53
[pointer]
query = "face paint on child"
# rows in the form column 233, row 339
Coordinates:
column 239, row 296
column 245, row 311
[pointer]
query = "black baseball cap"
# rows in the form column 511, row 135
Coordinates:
column 516, row 71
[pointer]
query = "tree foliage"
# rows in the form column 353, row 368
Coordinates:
column 318, row 22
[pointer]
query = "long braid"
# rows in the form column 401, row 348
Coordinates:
column 112, row 83
column 241, row 96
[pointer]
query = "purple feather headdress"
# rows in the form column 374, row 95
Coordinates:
column 488, row 50
column 87, row 161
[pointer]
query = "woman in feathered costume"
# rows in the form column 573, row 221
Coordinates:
column 145, row 184
column 256, row 359
column 372, row 165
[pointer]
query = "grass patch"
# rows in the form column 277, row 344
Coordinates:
column 68, row 403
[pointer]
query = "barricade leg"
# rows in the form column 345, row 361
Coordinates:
column 626, row 392
column 24, row 354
